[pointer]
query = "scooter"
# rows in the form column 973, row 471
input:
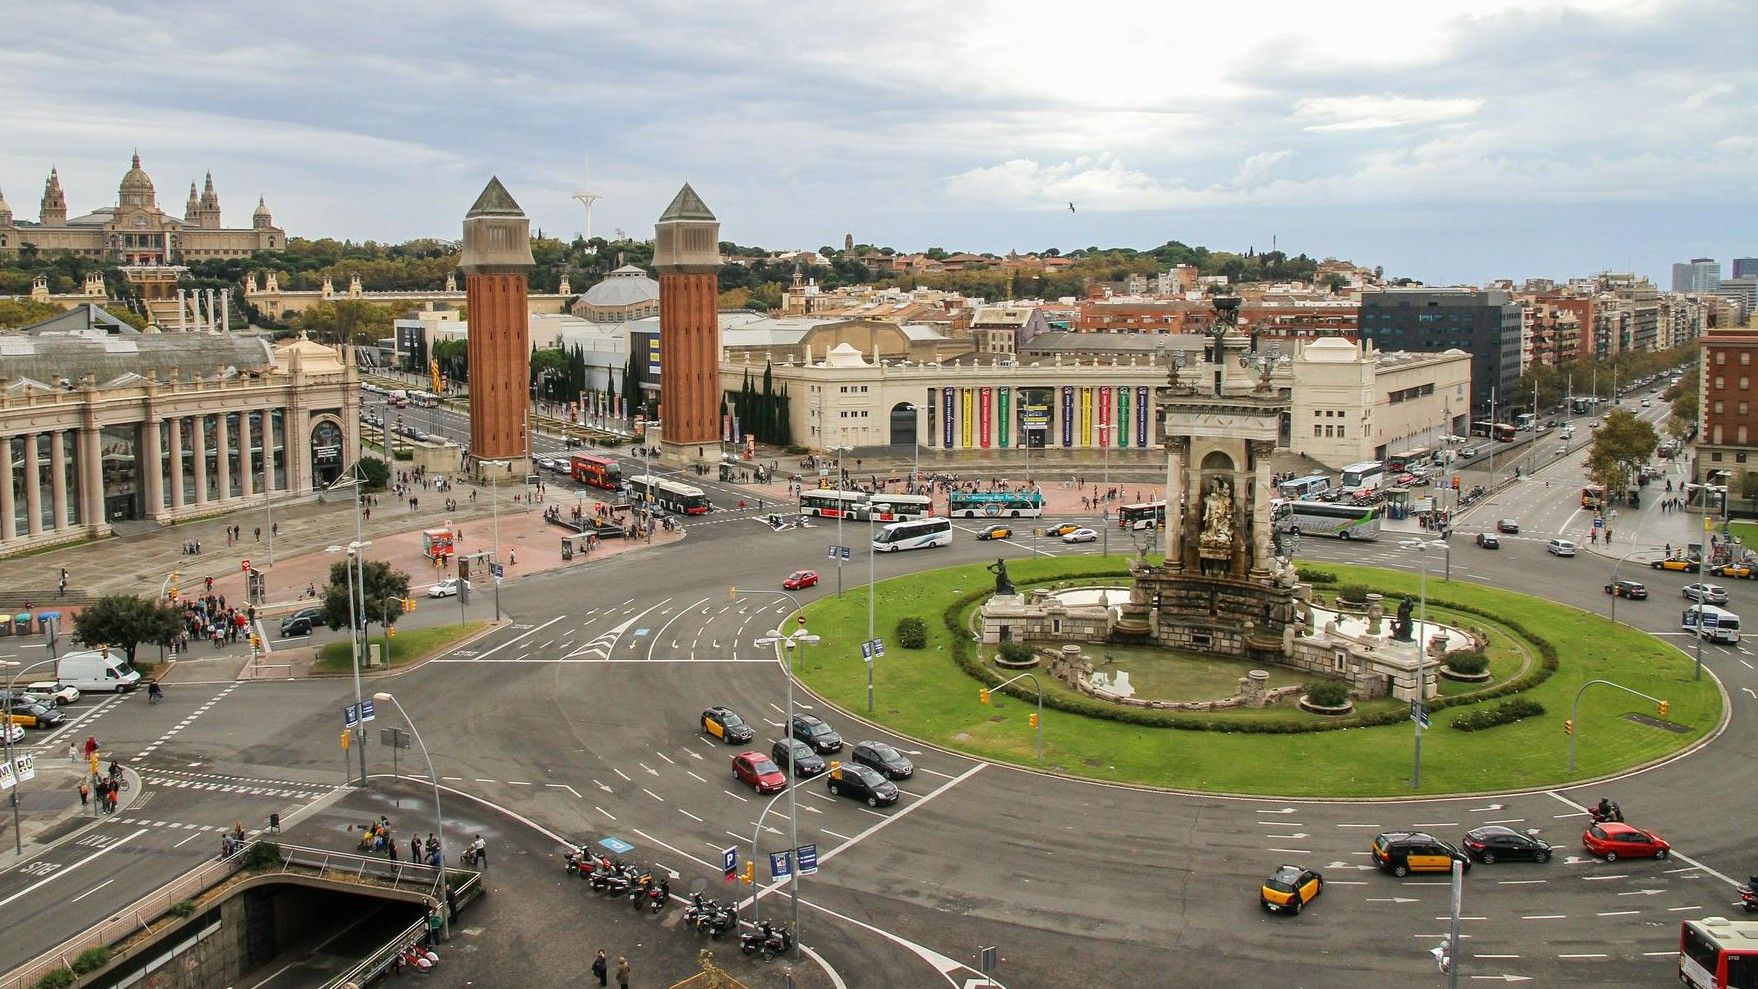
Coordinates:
column 721, row 920
column 428, row 953
column 658, row 895
column 766, row 940
column 1748, row 894
column 603, row 874
column 414, row 959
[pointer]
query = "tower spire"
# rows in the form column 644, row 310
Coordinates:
column 587, row 197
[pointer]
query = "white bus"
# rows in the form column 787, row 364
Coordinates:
column 899, row 507
column 1305, row 488
column 1719, row 624
column 919, row 534
column 830, row 503
column 669, row 495
column 1323, row 518
column 1366, row 476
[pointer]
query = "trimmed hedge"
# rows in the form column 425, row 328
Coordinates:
column 61, row 978
column 1354, row 593
column 966, row 658
column 1327, row 693
column 1470, row 662
column 1016, row 652
column 912, row 633
column 1316, row 578
column 1505, row 713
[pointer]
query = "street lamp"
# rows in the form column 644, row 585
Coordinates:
column 792, row 643
column 1422, row 545
column 11, row 692
column 354, row 551
column 838, row 450
column 439, row 820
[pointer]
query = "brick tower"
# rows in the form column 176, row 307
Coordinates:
column 497, row 256
column 686, row 253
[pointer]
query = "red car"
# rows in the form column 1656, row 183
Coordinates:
column 1612, row 841
column 757, row 771
column 799, row 580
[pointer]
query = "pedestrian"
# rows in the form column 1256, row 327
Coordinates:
column 85, row 794
column 622, row 972
column 415, row 848
column 259, row 533
column 479, row 849
column 601, row 967
column 73, row 752
column 91, row 745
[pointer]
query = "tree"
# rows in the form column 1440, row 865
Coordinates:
column 375, row 472
column 454, row 359
column 385, row 590
column 347, row 320
column 124, row 621
column 15, row 313
column 1621, row 445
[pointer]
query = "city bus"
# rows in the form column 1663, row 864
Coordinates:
column 1525, row 421
column 1132, row 516
column 1717, row 953
column 599, row 472
column 898, row 507
column 669, row 495
column 423, row 400
column 1503, row 432
column 1397, row 463
column 1592, row 496
column 918, row 534
column 1012, row 504
column 1367, row 476
column 1305, row 488
column 832, row 504
column 1323, row 518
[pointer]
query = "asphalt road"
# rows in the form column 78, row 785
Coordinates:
column 581, row 718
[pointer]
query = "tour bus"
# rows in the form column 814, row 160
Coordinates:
column 669, row 495
column 1148, row 513
column 599, row 472
column 1717, row 953
column 1323, row 518
column 1592, row 496
column 423, row 400
column 1525, row 421
column 1304, row 488
column 1365, row 477
column 898, row 507
column 1719, row 624
column 1498, row 430
column 917, row 534
column 831, row 504
column 993, row 504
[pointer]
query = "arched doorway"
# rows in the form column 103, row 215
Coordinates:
column 903, row 424
column 326, row 452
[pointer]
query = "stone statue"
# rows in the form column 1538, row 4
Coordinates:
column 1403, row 629
column 1218, row 515
column 1003, row 586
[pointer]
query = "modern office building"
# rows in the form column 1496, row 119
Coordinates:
column 1744, row 266
column 1484, row 324
column 1697, row 275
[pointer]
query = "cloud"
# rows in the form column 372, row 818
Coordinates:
column 1376, row 112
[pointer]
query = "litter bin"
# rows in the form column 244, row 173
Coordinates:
column 21, row 623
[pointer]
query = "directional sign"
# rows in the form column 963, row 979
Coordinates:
column 495, row 570
column 350, row 716
column 25, row 767
column 1598, row 522
column 780, row 864
column 808, row 859
column 879, row 647
column 366, row 711
column 729, row 861
column 867, row 650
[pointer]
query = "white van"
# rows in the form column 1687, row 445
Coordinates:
column 1719, row 624
column 94, row 672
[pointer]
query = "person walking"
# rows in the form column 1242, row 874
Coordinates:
column 601, row 967
column 622, row 972
column 73, row 752
column 85, row 795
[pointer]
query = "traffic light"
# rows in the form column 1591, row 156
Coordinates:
column 255, row 641
column 390, row 631
column 1032, row 719
column 408, row 605
column 346, row 738
column 172, row 594
column 1569, row 726
column 1664, row 707
column 750, row 873
column 983, row 694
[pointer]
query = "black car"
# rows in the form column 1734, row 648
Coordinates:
column 301, row 622
column 1488, row 540
column 32, row 714
column 1509, row 526
column 1493, row 842
column 878, row 755
column 814, row 732
column 861, row 783
column 806, row 762
column 723, row 724
column 1632, row 589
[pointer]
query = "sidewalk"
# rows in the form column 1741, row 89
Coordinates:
column 48, row 807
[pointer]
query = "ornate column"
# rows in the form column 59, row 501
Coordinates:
column 89, row 448
column 223, row 454
column 199, row 429
column 246, row 482
column 268, row 451
column 152, row 468
column 1177, row 452
column 6, row 505
column 58, row 480
column 176, row 472
column 33, row 495
column 1257, row 508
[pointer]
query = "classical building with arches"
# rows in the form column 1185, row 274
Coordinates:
column 109, row 429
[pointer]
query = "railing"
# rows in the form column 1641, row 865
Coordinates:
column 380, row 961
column 139, row 916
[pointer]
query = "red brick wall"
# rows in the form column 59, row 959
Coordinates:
column 689, row 341
column 499, row 349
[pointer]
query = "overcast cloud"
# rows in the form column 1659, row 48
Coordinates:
column 1448, row 141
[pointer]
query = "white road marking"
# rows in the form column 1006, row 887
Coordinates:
column 518, row 638
column 1617, row 913
column 1582, row 956
column 101, row 885
column 606, row 813
column 1521, row 882
column 1291, row 851
column 107, row 849
column 1615, row 875
column 689, row 815
column 655, row 796
column 1544, row 916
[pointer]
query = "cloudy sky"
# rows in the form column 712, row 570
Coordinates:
column 1449, row 141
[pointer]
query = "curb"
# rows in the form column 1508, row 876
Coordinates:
column 32, row 849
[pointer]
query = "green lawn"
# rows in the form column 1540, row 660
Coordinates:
column 924, row 694
column 407, row 645
column 1747, row 533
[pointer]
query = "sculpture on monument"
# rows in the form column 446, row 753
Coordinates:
column 1215, row 543
column 1003, row 586
column 1403, row 629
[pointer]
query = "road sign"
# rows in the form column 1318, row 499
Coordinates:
column 729, row 861
column 879, row 647
column 1598, row 522
column 1419, row 713
column 808, row 859
column 244, row 566
column 494, row 570
column 25, row 766
column 872, row 648
column 366, row 711
column 780, row 865
column 395, row 738
column 350, row 716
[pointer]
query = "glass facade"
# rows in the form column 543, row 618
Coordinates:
column 278, row 420
column 45, row 480
column 167, row 476
column 20, row 481
column 210, row 431
column 234, row 462
column 121, row 471
column 186, row 470
column 253, row 420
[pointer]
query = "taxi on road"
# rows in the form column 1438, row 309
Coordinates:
column 723, row 724
column 1404, row 852
column 1289, row 888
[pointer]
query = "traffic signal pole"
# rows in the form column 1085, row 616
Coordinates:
column 1575, row 710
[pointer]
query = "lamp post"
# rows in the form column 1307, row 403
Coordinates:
column 1422, row 545
column 355, row 619
column 793, row 643
column 839, row 448
column 439, row 820
column 11, row 691
column 494, row 482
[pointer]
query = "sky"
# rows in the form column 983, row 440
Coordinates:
column 1448, row 141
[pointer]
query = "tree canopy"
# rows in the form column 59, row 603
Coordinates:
column 125, row 621
column 385, row 590
column 1621, row 445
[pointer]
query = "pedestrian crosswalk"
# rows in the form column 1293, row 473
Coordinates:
column 192, row 782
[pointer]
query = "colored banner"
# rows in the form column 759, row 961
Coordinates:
column 736, row 435
column 946, row 417
column 1067, row 415
column 1105, row 415
column 1123, row 417
column 983, row 399
column 725, row 427
column 1141, row 416
column 1086, row 416
column 965, row 400
column 1006, row 420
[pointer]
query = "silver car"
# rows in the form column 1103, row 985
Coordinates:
column 1706, row 593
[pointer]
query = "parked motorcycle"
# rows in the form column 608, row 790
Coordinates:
column 723, row 919
column 1749, row 894
column 658, row 895
column 766, row 940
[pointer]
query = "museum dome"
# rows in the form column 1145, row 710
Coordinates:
column 626, row 286
column 137, row 188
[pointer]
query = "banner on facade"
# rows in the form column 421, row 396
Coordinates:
column 1086, row 416
column 725, row 427
column 1006, row 418
column 1123, row 417
column 736, row 434
column 946, row 398
column 1105, row 415
column 965, row 402
column 985, row 420
column 1067, row 415
column 1141, row 416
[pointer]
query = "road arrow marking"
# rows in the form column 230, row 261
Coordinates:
column 1285, row 810
column 1750, row 692
column 1484, row 810
column 1296, row 835
column 650, row 770
column 601, row 786
column 1503, row 978
column 1392, row 899
column 1642, row 892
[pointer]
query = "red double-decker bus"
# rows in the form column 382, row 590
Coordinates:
column 600, row 472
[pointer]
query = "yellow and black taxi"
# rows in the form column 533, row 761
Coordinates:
column 32, row 714
column 1062, row 529
column 997, row 531
column 1739, row 571
column 723, row 724
column 1290, row 888
column 1677, row 564
column 1404, row 852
